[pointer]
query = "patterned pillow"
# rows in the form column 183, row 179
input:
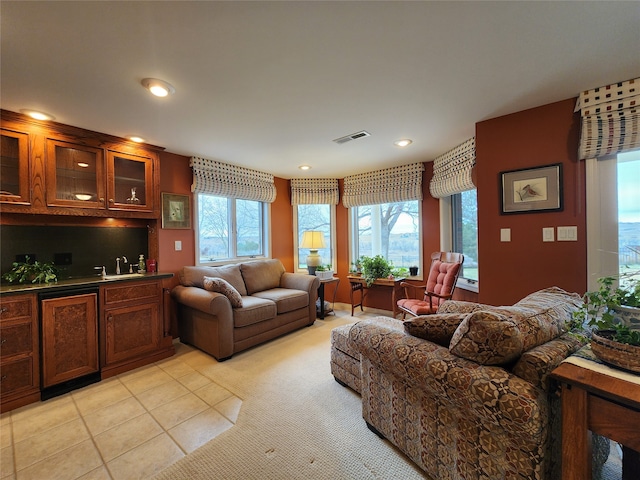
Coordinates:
column 437, row 328
column 220, row 285
column 498, row 335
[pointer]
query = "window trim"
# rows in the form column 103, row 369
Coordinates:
column 266, row 234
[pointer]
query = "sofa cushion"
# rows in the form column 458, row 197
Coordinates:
column 498, row 335
column 194, row 276
column 261, row 275
column 437, row 328
column 254, row 310
column 460, row 306
column 286, row 299
column 220, row 285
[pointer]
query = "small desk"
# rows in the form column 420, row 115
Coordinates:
column 358, row 284
column 323, row 282
column 605, row 401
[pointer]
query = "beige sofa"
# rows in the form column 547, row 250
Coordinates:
column 273, row 302
column 465, row 393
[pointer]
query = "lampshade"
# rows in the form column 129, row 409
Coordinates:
column 313, row 240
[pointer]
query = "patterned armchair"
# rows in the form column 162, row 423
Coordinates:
column 461, row 419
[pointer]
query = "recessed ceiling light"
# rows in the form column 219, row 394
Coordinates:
column 135, row 138
column 38, row 115
column 305, row 167
column 403, row 143
column 159, row 88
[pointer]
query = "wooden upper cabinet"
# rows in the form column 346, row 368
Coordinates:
column 55, row 169
column 74, row 175
column 14, row 168
column 130, row 183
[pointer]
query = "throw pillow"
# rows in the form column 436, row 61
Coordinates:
column 437, row 328
column 220, row 285
column 488, row 338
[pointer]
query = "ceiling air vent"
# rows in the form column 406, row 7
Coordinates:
column 353, row 136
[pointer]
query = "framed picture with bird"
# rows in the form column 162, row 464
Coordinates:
column 528, row 190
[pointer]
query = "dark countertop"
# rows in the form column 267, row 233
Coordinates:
column 95, row 280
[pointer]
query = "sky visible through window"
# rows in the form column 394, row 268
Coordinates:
column 629, row 187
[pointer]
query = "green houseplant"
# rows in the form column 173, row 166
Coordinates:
column 612, row 312
column 374, row 268
column 28, row 272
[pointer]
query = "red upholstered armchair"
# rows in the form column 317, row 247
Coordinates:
column 443, row 275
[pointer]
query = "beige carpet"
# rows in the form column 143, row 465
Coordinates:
column 296, row 421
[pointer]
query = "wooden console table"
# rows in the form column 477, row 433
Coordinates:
column 602, row 400
column 358, row 284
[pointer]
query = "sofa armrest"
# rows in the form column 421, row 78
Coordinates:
column 300, row 281
column 536, row 364
column 492, row 394
column 208, row 302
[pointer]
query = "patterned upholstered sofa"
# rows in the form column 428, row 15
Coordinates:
column 471, row 398
column 224, row 310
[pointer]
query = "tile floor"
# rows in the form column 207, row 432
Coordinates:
column 127, row 427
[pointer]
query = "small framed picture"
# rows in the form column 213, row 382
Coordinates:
column 531, row 190
column 175, row 211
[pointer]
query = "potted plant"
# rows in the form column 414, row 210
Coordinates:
column 324, row 272
column 613, row 314
column 36, row 272
column 374, row 268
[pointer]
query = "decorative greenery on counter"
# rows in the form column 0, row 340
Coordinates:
column 374, row 268
column 600, row 308
column 36, row 272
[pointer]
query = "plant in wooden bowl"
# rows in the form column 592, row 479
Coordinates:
column 32, row 272
column 613, row 313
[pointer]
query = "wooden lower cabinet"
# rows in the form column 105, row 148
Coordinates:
column 19, row 351
column 69, row 338
column 132, row 326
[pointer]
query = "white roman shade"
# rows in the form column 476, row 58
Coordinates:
column 391, row 185
column 610, row 119
column 224, row 180
column 452, row 170
column 314, row 191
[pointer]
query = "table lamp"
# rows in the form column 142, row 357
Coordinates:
column 313, row 240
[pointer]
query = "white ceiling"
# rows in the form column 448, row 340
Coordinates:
column 269, row 85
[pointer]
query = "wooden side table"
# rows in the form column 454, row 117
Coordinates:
column 321, row 294
column 602, row 400
column 358, row 284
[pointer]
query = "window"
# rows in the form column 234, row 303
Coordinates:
column 464, row 219
column 315, row 217
column 392, row 230
column 613, row 216
column 229, row 229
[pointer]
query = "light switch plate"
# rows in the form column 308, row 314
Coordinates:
column 178, row 245
column 548, row 234
column 568, row 234
column 505, row 234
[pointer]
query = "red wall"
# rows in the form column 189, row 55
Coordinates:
column 531, row 138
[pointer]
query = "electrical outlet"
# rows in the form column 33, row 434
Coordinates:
column 178, row 245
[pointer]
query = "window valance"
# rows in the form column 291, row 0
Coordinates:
column 610, row 119
column 225, row 180
column 390, row 185
column 452, row 170
column 314, row 191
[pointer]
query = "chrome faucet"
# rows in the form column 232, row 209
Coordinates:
column 124, row 260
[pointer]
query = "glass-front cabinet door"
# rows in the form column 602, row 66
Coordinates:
column 14, row 168
column 130, row 182
column 74, row 175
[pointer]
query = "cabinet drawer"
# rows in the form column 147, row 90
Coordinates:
column 131, row 291
column 16, row 307
column 15, row 339
column 16, row 375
